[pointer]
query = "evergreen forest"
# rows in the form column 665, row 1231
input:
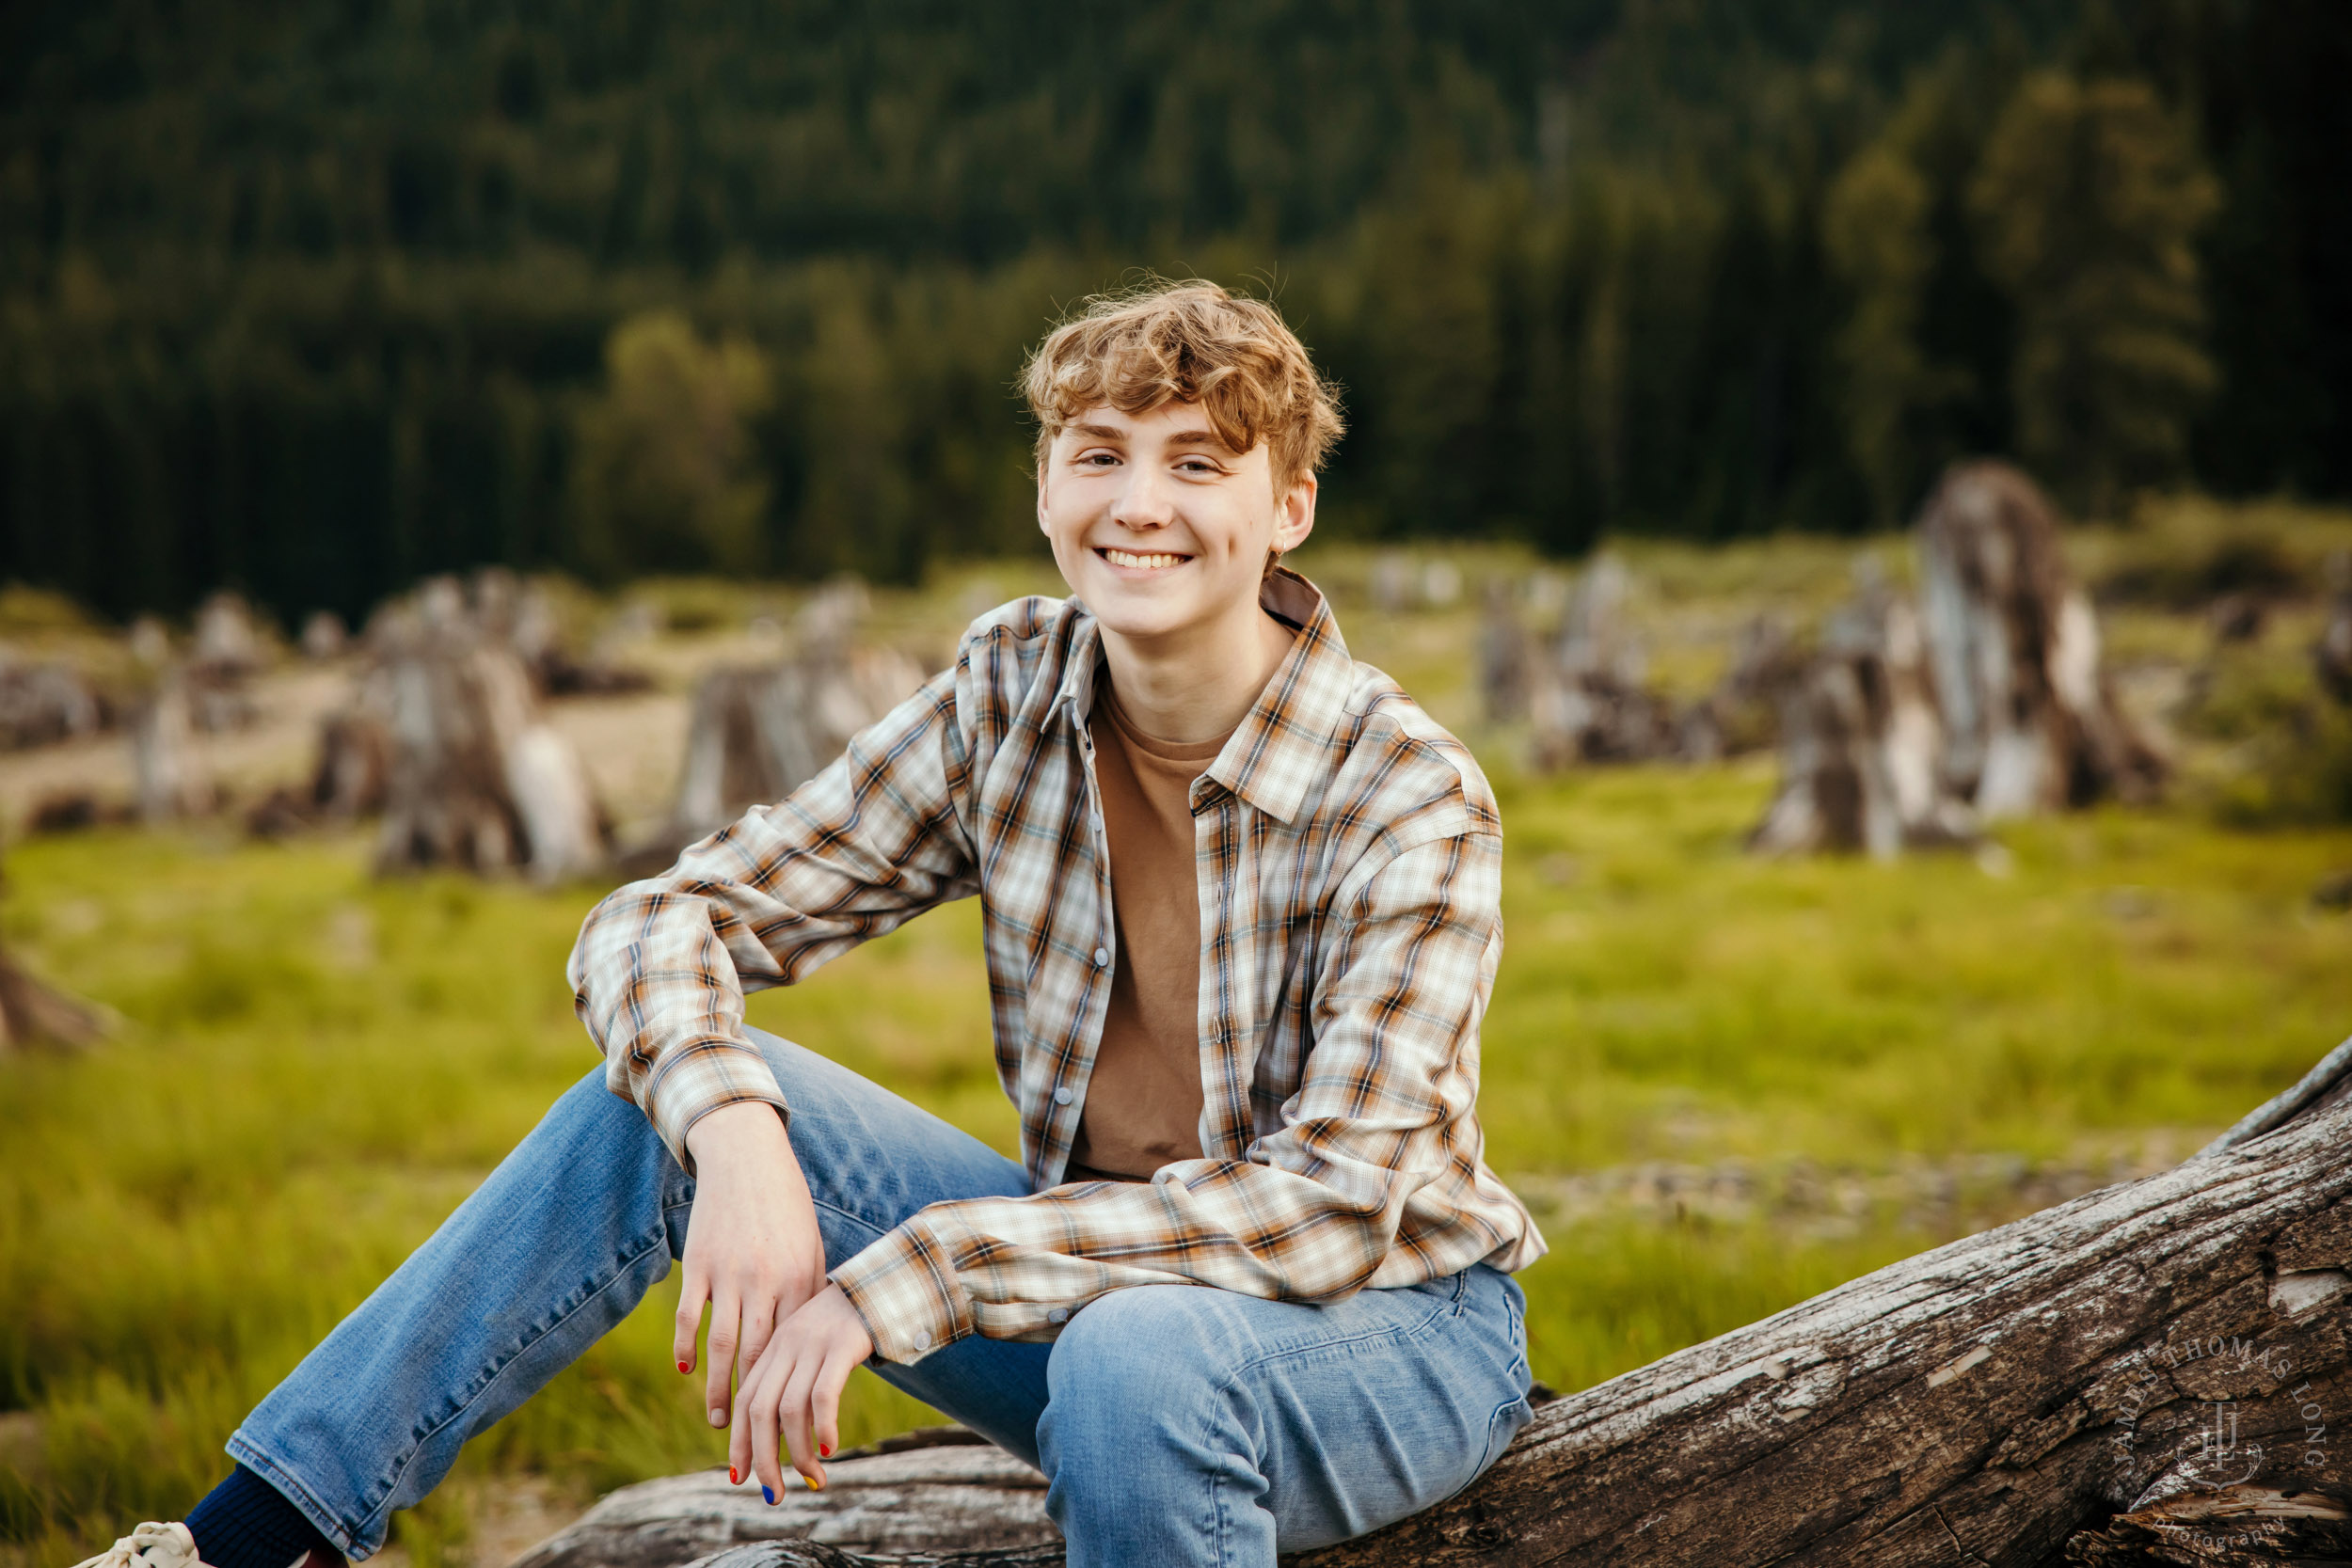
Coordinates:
column 311, row 297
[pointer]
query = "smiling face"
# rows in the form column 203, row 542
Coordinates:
column 1160, row 527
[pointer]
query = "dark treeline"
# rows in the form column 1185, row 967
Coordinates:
column 313, row 296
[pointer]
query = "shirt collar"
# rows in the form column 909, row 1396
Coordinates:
column 1283, row 743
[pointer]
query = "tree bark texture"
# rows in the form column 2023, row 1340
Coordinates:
column 2158, row 1372
column 940, row 1490
column 2031, row 723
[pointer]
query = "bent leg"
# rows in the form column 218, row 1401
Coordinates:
column 1188, row 1425
column 556, row 1247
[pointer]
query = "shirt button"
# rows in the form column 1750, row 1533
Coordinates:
column 1058, row 1315
column 1101, row 958
column 1063, row 1097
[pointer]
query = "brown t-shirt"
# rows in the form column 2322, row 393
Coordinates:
column 1143, row 1101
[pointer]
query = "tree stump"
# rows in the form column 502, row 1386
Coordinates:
column 224, row 654
column 1742, row 713
column 2030, row 722
column 1861, row 744
column 518, row 615
column 42, row 704
column 1588, row 699
column 1506, row 657
column 475, row 778
column 2157, row 1372
column 168, row 779
column 347, row 781
column 2332, row 654
column 35, row 1015
column 759, row 733
column 323, row 637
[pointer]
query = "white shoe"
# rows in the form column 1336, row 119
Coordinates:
column 150, row 1545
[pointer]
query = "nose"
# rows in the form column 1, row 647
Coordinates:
column 1146, row 501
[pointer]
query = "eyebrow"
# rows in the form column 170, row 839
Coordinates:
column 1182, row 438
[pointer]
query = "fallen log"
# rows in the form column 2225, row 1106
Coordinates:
column 2157, row 1372
column 939, row 1489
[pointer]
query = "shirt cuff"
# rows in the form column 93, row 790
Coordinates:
column 702, row 1076
column 905, row 1288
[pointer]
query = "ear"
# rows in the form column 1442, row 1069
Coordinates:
column 1295, row 516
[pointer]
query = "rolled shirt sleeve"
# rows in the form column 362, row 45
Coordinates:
column 662, row 966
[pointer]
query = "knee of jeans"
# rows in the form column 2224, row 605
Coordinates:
column 1136, row 1360
column 589, row 1121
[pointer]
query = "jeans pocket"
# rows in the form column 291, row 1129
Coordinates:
column 1505, row 1424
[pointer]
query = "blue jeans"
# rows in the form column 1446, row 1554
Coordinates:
column 1175, row 1424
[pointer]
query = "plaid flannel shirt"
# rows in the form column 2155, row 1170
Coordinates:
column 1349, row 864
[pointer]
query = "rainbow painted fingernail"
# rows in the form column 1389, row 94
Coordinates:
column 735, row 1477
column 769, row 1492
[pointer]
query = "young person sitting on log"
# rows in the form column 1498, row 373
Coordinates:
column 1247, row 1289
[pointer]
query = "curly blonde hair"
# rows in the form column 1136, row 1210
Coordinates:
column 1191, row 342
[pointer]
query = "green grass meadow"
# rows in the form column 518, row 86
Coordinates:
column 317, row 1067
column 314, row 1067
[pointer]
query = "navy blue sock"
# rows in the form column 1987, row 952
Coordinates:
column 244, row 1521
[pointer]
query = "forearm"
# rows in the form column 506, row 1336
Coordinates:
column 1018, row 1268
column 662, row 966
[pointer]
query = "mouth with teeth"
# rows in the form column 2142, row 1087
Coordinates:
column 1142, row 560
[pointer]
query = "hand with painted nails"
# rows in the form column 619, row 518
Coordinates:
column 795, row 1391
column 753, row 1250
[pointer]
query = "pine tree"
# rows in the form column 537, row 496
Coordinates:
column 1874, row 229
column 662, row 478
column 2087, row 206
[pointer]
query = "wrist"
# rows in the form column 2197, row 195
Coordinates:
column 734, row 1129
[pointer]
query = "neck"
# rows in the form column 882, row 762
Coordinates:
column 1197, row 683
